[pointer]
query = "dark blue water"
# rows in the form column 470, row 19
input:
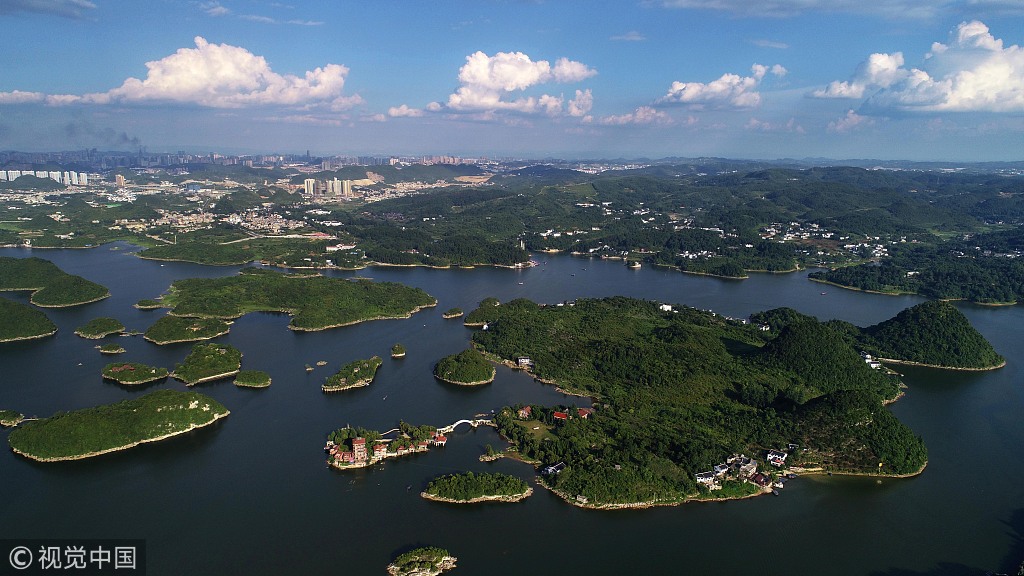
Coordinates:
column 252, row 495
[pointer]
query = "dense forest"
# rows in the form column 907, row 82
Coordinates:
column 468, row 486
column 207, row 362
column 677, row 391
column 50, row 286
column 20, row 321
column 466, row 367
column 315, row 302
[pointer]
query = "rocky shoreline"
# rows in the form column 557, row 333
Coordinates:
column 512, row 498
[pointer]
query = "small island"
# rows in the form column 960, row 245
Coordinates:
column 22, row 322
column 111, row 349
column 355, row 374
column 467, row 368
column 93, row 431
column 427, row 561
column 314, row 302
column 452, row 313
column 173, row 329
column 147, row 304
column 349, row 448
column 398, row 351
column 469, row 488
column 252, row 379
column 98, row 328
column 131, row 373
column 208, row 362
column 10, row 418
column 51, row 287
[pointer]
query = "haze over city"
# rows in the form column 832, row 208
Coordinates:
column 894, row 79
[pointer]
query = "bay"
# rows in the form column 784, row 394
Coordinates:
column 252, row 494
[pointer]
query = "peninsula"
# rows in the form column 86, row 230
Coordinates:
column 98, row 328
column 470, row 488
column 51, row 287
column 22, row 322
column 801, row 395
column 467, row 368
column 315, row 302
column 109, row 428
column 427, row 561
column 355, row 374
column 131, row 373
column 208, row 362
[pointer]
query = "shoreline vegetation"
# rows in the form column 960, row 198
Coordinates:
column 467, row 368
column 252, row 379
column 428, row 561
column 115, row 427
column 22, row 322
column 132, row 373
column 355, row 374
column 50, row 286
column 314, row 302
column 172, row 329
column 99, row 328
column 470, row 488
column 478, row 499
column 111, row 349
column 208, row 362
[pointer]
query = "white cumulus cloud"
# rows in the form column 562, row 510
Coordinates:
column 728, row 91
column 974, row 72
column 486, row 81
column 223, row 76
column 21, row 97
column 850, row 122
column 404, row 111
column 642, row 115
column 581, row 104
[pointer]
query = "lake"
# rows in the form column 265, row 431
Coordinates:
column 252, row 494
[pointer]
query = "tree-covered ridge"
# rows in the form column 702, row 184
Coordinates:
column 133, row 373
column 51, row 287
column 93, row 431
column 354, row 374
column 315, row 302
column 934, row 333
column 208, row 362
column 99, row 328
column 469, row 486
column 466, row 367
column 678, row 390
column 22, row 322
column 170, row 329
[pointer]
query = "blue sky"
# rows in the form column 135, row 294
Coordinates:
column 889, row 79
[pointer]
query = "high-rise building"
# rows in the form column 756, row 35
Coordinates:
column 119, row 181
column 346, row 188
column 310, row 186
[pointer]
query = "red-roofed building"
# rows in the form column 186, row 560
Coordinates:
column 525, row 412
column 422, row 446
column 560, row 416
column 440, row 440
column 584, row 412
column 359, row 448
column 380, row 451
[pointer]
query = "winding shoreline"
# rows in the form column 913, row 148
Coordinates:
column 35, row 337
column 940, row 366
column 124, row 447
column 494, row 374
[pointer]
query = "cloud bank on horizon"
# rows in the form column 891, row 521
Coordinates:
column 655, row 79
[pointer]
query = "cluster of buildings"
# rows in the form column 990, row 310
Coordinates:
column 65, row 178
column 360, row 455
column 741, row 467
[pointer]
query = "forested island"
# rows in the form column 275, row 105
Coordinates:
column 100, row 328
column 208, row 362
column 111, row 349
column 357, row 447
column 677, row 390
column 51, row 287
column 452, row 313
column 171, row 329
column 252, row 379
column 131, row 373
column 467, row 368
column 470, row 487
column 147, row 304
column 398, row 351
column 355, row 374
column 10, row 418
column 112, row 427
column 427, row 561
column 314, row 302
column 22, row 322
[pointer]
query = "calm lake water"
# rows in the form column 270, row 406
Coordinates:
column 251, row 495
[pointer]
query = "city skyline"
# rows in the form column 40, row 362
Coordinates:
column 898, row 79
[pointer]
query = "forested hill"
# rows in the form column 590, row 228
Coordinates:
column 934, row 333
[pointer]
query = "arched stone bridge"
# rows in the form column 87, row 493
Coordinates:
column 474, row 423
